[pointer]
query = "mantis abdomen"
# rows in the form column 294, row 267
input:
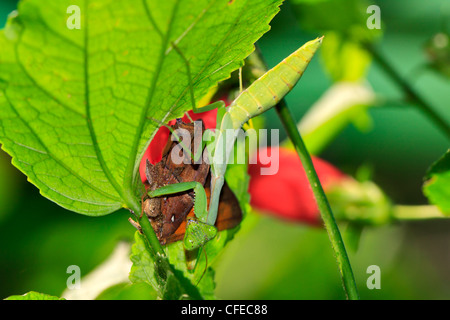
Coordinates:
column 269, row 89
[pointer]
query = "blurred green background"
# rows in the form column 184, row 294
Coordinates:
column 277, row 260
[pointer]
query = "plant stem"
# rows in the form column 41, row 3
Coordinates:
column 411, row 94
column 402, row 212
column 147, row 229
column 322, row 202
column 150, row 235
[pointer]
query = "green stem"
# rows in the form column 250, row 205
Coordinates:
column 421, row 212
column 150, row 235
column 322, row 202
column 411, row 94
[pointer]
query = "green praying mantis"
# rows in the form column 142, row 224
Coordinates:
column 259, row 97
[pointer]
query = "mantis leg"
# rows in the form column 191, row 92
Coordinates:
column 200, row 195
column 197, row 231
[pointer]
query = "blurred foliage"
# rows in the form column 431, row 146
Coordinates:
column 9, row 187
column 284, row 261
column 33, row 296
column 342, row 104
column 347, row 17
column 398, row 130
column 269, row 259
column 438, row 53
column 344, row 60
column 437, row 188
column 343, row 22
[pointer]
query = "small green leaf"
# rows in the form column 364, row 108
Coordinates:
column 202, row 277
column 32, row 295
column 166, row 280
column 143, row 268
column 78, row 108
column 172, row 289
column 437, row 187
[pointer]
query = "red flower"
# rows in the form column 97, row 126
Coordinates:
column 287, row 194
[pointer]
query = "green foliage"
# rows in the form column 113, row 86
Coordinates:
column 280, row 260
column 143, row 269
column 78, row 108
column 342, row 104
column 9, row 187
column 167, row 282
column 438, row 53
column 346, row 17
column 344, row 24
column 344, row 59
column 32, row 295
column 437, row 187
column 193, row 266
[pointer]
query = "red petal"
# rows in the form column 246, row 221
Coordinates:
column 209, row 118
column 287, row 194
column 154, row 150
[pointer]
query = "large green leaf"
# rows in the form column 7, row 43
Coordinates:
column 437, row 187
column 78, row 108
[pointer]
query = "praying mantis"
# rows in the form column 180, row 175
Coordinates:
column 259, row 97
